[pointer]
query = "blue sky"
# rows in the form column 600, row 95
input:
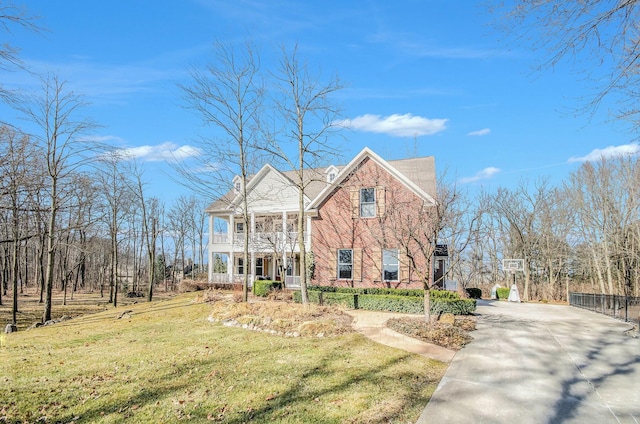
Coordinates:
column 423, row 77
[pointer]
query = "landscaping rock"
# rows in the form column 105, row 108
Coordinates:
column 35, row 325
column 125, row 314
column 10, row 328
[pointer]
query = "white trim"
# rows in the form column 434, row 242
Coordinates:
column 366, row 152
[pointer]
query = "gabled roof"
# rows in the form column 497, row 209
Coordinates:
column 231, row 199
column 416, row 174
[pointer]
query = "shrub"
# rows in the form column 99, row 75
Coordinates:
column 390, row 303
column 347, row 300
column 444, row 301
column 453, row 306
column 443, row 294
column 474, row 293
column 503, row 292
column 263, row 287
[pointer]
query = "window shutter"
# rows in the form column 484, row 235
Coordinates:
column 333, row 264
column 405, row 276
column 357, row 265
column 355, row 202
column 376, row 256
column 380, row 200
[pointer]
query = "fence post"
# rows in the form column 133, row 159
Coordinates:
column 320, row 296
column 626, row 308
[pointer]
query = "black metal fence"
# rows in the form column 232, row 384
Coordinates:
column 625, row 308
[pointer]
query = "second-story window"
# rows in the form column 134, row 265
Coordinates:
column 239, row 227
column 368, row 202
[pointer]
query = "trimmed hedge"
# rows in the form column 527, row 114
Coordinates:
column 391, row 303
column 503, row 292
column 444, row 302
column 453, row 306
column 474, row 293
column 433, row 294
column 263, row 287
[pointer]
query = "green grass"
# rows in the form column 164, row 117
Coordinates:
column 168, row 363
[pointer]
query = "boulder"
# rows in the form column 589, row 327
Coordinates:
column 10, row 328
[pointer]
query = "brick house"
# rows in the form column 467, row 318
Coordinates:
column 368, row 224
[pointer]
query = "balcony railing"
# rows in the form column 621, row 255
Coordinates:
column 261, row 240
column 292, row 281
column 230, row 279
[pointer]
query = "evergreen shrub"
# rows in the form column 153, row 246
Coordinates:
column 474, row 293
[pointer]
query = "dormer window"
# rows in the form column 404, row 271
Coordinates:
column 332, row 173
column 237, row 184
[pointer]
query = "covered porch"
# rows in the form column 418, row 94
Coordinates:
column 231, row 268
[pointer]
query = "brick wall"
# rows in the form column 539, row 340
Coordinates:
column 402, row 222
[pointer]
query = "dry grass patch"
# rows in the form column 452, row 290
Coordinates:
column 167, row 363
column 283, row 318
column 452, row 336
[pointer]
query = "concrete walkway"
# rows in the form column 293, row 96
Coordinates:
column 372, row 324
column 532, row 363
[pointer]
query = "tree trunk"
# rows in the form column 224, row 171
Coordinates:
column 50, row 254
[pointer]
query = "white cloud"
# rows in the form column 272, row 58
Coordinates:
column 167, row 151
column 485, row 174
column 395, row 125
column 608, row 153
column 484, row 131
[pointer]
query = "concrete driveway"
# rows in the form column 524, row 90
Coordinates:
column 533, row 363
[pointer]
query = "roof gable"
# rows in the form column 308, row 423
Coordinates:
column 409, row 166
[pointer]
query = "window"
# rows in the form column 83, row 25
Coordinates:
column 332, row 176
column 367, row 202
column 239, row 227
column 240, row 266
column 390, row 265
column 259, row 267
column 345, row 264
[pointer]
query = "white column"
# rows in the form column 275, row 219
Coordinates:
column 285, row 238
column 253, row 230
column 231, row 229
column 231, row 262
column 210, row 273
column 253, row 265
column 307, row 238
column 211, row 229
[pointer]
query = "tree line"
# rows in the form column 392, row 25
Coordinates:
column 580, row 235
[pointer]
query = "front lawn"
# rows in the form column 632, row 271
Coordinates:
column 167, row 361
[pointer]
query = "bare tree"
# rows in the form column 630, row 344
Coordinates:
column 309, row 115
column 593, row 31
column 151, row 210
column 56, row 112
column 116, row 192
column 19, row 168
column 605, row 197
column 228, row 96
column 12, row 17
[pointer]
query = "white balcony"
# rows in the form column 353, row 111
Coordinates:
column 260, row 241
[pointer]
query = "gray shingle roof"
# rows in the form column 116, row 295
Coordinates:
column 421, row 171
